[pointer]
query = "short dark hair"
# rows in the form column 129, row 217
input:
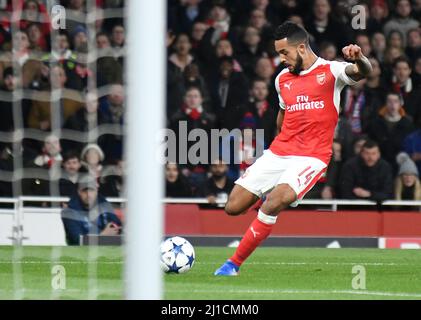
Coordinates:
column 370, row 144
column 292, row 31
column 71, row 154
column 401, row 59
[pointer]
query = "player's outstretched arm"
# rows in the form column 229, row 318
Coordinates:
column 362, row 66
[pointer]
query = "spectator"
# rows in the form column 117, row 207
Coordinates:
column 219, row 24
column 218, row 186
column 413, row 49
column 176, row 186
column 51, row 153
column 412, row 146
column 328, row 51
column 416, row 76
column 395, row 40
column 229, row 94
column 197, row 33
column 358, row 144
column 92, row 157
column 390, row 128
column 109, row 67
column 250, row 50
column 118, row 37
column 37, row 40
column 224, row 48
column 60, row 103
column 355, row 107
column 26, row 59
column 262, row 111
column 181, row 57
column 114, row 110
column 75, row 13
column 259, row 21
column 378, row 44
column 402, row 85
column 402, row 21
column 43, row 172
column 111, row 181
column 379, row 11
column 188, row 13
column 407, row 183
column 375, row 88
column 88, row 212
column 79, row 38
column 60, row 52
column 324, row 28
column 193, row 78
column 264, row 70
column 192, row 115
column 10, row 83
column 363, row 41
column 85, row 120
column 102, row 41
column 70, row 174
column 367, row 176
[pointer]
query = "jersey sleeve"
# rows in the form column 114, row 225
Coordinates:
column 338, row 70
column 278, row 90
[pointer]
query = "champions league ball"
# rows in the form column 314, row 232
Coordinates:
column 177, row 255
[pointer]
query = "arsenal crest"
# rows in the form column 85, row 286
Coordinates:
column 321, row 78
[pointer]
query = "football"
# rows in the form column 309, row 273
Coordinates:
column 177, row 255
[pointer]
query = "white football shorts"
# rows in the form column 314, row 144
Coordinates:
column 300, row 173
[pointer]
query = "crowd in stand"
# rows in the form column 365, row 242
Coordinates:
column 62, row 101
column 221, row 52
column 221, row 69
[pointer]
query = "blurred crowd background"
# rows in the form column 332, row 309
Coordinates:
column 62, row 95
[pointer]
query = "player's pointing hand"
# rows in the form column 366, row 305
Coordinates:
column 352, row 52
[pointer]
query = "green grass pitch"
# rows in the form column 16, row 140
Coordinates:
column 270, row 273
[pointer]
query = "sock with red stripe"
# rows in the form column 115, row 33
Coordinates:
column 258, row 231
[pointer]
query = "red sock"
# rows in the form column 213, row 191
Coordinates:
column 255, row 234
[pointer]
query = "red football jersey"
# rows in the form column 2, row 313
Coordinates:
column 311, row 103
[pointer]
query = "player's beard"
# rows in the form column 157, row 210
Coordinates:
column 298, row 65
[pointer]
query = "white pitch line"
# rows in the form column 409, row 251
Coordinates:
column 59, row 262
column 314, row 263
column 294, row 291
column 320, row 263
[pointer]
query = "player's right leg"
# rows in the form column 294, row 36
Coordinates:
column 258, row 178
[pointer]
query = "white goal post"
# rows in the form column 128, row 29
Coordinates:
column 145, row 70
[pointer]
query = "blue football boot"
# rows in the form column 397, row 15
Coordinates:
column 227, row 269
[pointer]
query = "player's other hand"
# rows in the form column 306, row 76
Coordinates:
column 352, row 52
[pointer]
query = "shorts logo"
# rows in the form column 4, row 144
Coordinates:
column 321, row 78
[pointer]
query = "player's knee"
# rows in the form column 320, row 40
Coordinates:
column 274, row 204
column 232, row 209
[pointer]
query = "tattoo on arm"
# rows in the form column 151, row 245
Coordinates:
column 361, row 69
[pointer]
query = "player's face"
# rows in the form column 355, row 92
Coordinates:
column 291, row 55
column 370, row 156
